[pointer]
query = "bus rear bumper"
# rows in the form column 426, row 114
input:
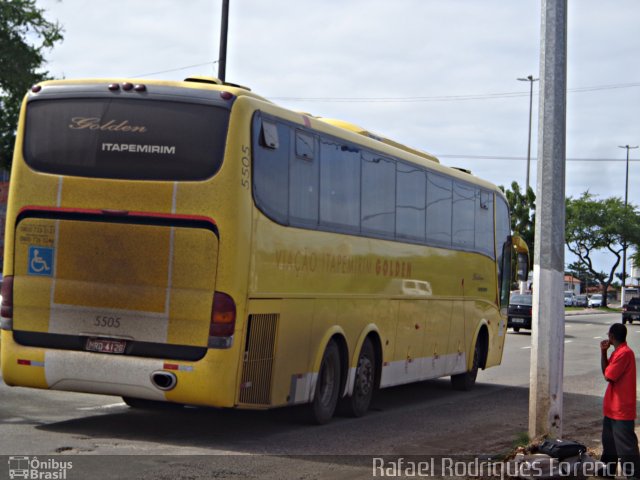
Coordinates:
column 110, row 374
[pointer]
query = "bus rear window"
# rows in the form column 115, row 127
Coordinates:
column 125, row 139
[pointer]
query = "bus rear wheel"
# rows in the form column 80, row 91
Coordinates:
column 466, row 380
column 327, row 391
column 364, row 384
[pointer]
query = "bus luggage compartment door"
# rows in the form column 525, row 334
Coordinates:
column 97, row 279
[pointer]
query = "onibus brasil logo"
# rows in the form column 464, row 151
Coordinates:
column 32, row 468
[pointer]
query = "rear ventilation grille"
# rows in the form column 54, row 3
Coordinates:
column 257, row 369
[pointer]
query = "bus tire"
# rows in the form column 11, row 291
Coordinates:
column 358, row 403
column 325, row 400
column 466, row 381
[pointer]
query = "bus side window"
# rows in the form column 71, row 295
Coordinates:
column 463, row 234
column 484, row 223
column 304, row 145
column 378, row 201
column 304, row 182
column 269, row 135
column 411, row 202
column 271, row 168
column 339, row 186
column 439, row 207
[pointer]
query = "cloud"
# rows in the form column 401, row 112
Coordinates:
column 406, row 48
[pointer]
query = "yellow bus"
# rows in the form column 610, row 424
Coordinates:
column 192, row 242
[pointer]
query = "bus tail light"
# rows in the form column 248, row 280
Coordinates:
column 6, row 310
column 223, row 321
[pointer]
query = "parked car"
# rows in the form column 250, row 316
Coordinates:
column 569, row 299
column 581, row 301
column 631, row 310
column 595, row 301
column 519, row 313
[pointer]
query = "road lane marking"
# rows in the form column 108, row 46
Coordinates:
column 568, row 341
column 526, row 348
column 597, row 338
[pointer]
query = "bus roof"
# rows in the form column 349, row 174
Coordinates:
column 353, row 133
column 195, row 82
column 357, row 129
column 339, row 128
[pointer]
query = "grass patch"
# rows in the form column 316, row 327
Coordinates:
column 599, row 309
column 606, row 309
column 522, row 440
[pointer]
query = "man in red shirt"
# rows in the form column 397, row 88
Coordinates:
column 619, row 440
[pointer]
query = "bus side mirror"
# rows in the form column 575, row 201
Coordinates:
column 523, row 267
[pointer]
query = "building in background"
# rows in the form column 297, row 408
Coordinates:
column 571, row 284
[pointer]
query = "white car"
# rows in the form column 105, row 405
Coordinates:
column 595, row 300
column 569, row 299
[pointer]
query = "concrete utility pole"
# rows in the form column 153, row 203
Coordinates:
column 224, row 28
column 529, row 79
column 547, row 337
column 624, row 246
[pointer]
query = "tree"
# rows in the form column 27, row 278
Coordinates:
column 522, row 207
column 579, row 271
column 24, row 35
column 594, row 225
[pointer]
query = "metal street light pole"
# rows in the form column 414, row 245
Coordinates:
column 624, row 244
column 529, row 79
column 224, row 27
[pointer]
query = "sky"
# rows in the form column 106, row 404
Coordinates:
column 437, row 75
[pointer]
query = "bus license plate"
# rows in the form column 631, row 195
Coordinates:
column 517, row 320
column 103, row 345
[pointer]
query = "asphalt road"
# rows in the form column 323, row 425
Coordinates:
column 427, row 418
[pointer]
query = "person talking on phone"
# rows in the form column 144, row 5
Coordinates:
column 619, row 440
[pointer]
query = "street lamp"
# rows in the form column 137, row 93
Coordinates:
column 529, row 79
column 624, row 244
column 224, row 28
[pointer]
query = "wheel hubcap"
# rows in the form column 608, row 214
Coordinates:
column 364, row 377
column 326, row 384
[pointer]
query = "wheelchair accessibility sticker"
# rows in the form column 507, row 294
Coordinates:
column 40, row 261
